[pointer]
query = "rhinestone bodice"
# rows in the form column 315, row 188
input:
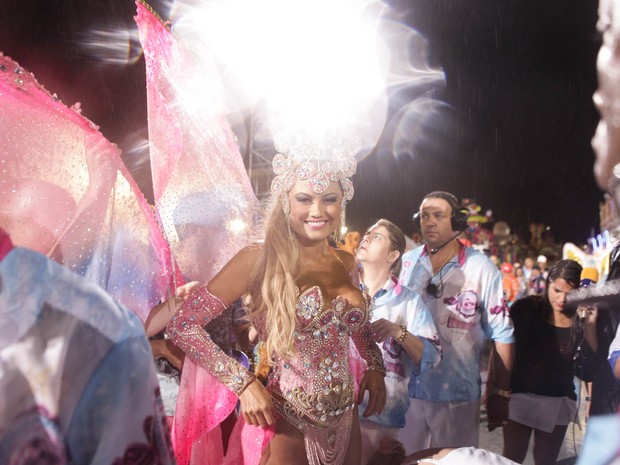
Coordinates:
column 312, row 314
column 317, row 383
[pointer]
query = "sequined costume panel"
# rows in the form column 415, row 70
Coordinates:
column 67, row 193
column 316, row 386
column 186, row 331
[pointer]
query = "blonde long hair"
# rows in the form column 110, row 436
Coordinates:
column 272, row 285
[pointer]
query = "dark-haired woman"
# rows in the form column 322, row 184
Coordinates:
column 401, row 325
column 547, row 336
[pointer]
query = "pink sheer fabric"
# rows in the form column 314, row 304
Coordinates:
column 203, row 197
column 202, row 192
column 249, row 443
column 201, row 406
column 5, row 244
column 358, row 367
column 66, row 193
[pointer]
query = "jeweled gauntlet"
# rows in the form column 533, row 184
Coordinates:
column 368, row 348
column 186, row 331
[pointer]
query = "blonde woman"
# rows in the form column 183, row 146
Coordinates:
column 305, row 308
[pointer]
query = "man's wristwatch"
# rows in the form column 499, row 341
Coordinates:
column 505, row 393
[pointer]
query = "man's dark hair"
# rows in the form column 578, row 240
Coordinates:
column 447, row 196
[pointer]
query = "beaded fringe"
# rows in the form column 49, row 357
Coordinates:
column 329, row 446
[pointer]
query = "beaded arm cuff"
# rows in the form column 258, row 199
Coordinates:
column 186, row 331
column 368, row 348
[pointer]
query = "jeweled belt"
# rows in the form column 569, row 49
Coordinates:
column 320, row 411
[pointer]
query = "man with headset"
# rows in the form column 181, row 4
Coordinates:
column 463, row 291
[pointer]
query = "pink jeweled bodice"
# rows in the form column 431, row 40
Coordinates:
column 317, row 383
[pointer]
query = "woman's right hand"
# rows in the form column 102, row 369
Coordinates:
column 256, row 405
column 159, row 316
column 184, row 291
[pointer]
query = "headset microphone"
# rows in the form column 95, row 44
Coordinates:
column 432, row 288
column 437, row 249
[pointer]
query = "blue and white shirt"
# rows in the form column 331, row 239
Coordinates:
column 469, row 310
column 400, row 305
column 78, row 379
column 614, row 351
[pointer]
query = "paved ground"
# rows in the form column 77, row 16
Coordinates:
column 568, row 455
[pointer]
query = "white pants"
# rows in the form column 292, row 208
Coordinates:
column 371, row 437
column 440, row 424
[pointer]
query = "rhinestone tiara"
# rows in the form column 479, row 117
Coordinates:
column 316, row 158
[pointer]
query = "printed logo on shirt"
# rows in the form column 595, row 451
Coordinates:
column 455, row 323
column 393, row 350
column 464, row 305
column 503, row 309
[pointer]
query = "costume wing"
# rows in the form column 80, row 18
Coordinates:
column 201, row 188
column 66, row 193
column 206, row 205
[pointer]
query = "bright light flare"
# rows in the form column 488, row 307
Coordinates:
column 422, row 124
column 409, row 61
column 315, row 63
column 135, row 149
column 237, row 226
column 120, row 46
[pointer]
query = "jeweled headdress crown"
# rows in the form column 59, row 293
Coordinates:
column 316, row 158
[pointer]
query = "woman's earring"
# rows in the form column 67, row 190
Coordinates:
column 286, row 209
column 291, row 234
column 342, row 223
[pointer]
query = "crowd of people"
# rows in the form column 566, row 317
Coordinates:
column 367, row 353
column 520, row 280
column 435, row 308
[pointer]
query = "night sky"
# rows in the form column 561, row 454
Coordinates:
column 520, row 78
column 515, row 133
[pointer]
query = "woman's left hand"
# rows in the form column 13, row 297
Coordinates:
column 497, row 411
column 589, row 313
column 374, row 383
column 383, row 329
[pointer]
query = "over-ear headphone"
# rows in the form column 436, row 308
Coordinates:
column 458, row 218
